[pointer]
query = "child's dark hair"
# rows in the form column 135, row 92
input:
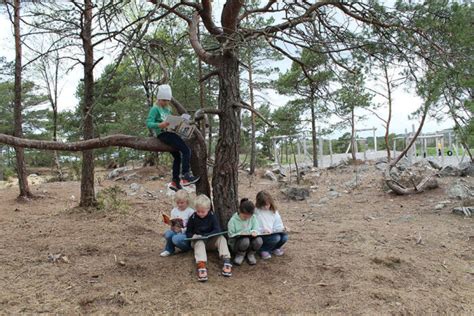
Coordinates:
column 246, row 206
column 263, row 198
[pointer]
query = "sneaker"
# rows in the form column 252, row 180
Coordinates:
column 278, row 252
column 165, row 253
column 251, row 258
column 201, row 271
column 188, row 179
column 227, row 269
column 265, row 255
column 239, row 258
column 175, row 186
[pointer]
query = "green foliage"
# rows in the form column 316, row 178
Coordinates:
column 112, row 199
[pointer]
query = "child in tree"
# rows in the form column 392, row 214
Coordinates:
column 175, row 237
column 270, row 224
column 182, row 154
column 243, row 230
column 204, row 223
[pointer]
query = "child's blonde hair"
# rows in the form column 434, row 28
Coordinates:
column 182, row 195
column 202, row 201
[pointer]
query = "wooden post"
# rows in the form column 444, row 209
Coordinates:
column 442, row 150
column 375, row 141
column 330, row 151
column 320, row 148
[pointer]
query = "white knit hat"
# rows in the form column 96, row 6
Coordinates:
column 164, row 92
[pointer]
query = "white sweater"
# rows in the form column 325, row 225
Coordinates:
column 269, row 221
column 184, row 215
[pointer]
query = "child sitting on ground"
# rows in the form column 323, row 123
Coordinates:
column 243, row 230
column 270, row 224
column 180, row 215
column 204, row 223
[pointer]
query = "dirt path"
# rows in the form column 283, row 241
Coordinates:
column 359, row 253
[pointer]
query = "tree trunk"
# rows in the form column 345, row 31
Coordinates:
column 18, row 132
column 253, row 153
column 87, row 175
column 313, row 130
column 225, row 173
column 387, row 127
column 353, row 140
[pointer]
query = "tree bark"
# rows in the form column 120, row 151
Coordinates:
column 87, row 176
column 225, row 173
column 18, row 131
column 313, row 130
column 253, row 153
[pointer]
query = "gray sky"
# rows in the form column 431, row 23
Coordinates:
column 405, row 102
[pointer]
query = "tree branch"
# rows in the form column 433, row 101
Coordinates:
column 140, row 143
column 194, row 39
column 247, row 106
column 206, row 15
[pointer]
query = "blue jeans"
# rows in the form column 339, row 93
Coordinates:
column 274, row 241
column 174, row 239
column 182, row 155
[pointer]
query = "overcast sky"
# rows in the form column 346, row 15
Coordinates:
column 405, row 102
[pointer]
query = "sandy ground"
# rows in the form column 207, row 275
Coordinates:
column 365, row 252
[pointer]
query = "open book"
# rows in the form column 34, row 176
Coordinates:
column 207, row 237
column 175, row 222
column 180, row 125
column 174, row 121
column 258, row 235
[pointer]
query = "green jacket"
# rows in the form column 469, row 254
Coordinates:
column 156, row 116
column 236, row 225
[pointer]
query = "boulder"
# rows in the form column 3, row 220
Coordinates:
column 466, row 168
column 116, row 172
column 135, row 186
column 461, row 190
column 270, row 176
column 450, row 171
column 296, row 193
column 434, row 164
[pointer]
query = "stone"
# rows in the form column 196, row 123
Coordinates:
column 381, row 166
column 341, row 164
column 324, row 200
column 466, row 168
column 153, row 178
column 434, row 164
column 334, row 194
column 270, row 176
column 461, row 190
column 135, row 186
column 439, row 206
column 116, row 172
column 296, row 194
column 450, row 171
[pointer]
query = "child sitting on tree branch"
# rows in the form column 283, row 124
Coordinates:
column 182, row 155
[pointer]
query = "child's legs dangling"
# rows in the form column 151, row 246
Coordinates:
column 177, row 142
column 176, row 165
